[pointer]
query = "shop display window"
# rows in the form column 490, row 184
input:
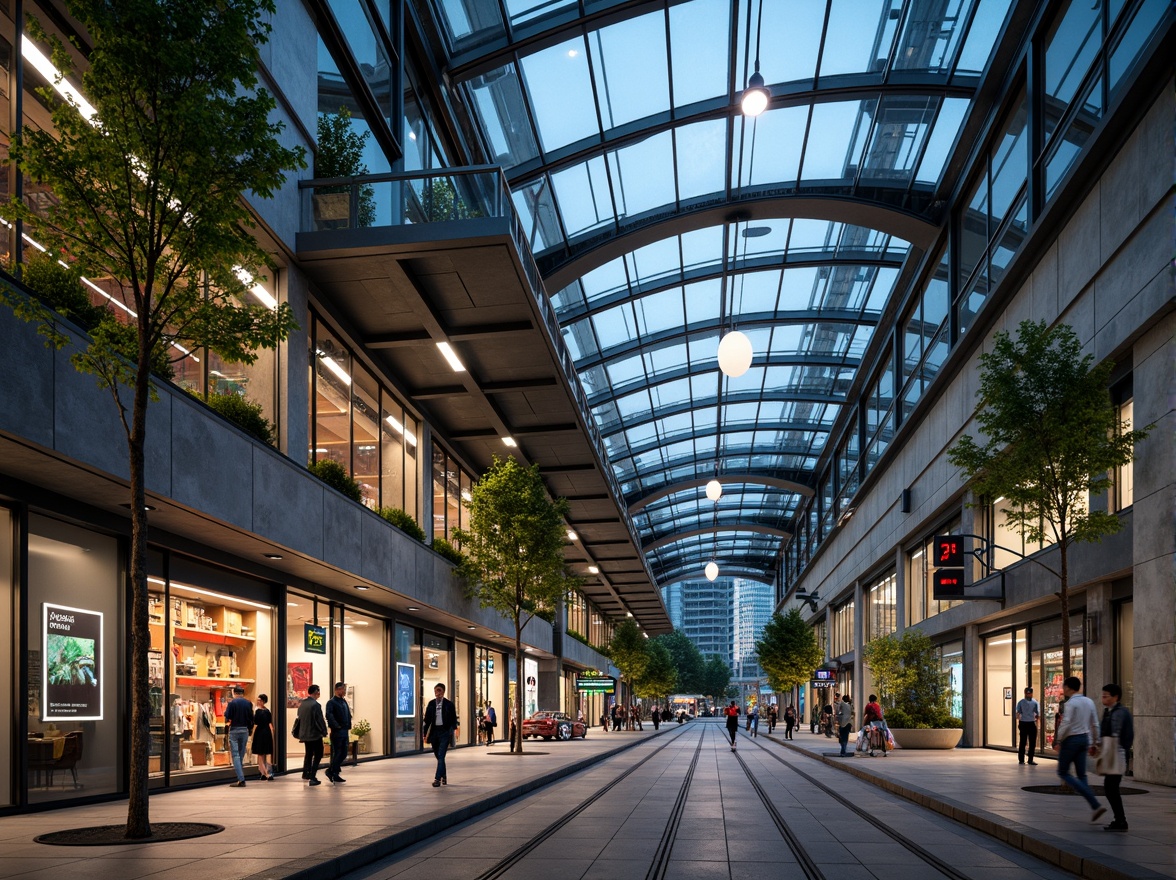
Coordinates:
column 7, row 603
column 74, row 663
column 406, row 660
column 203, row 644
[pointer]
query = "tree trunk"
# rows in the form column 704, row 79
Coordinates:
column 1065, row 597
column 521, row 677
column 138, row 817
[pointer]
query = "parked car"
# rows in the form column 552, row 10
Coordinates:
column 560, row 725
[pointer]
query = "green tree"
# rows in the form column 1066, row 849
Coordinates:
column 912, row 685
column 1053, row 441
column 148, row 194
column 513, row 550
column 659, row 678
column 687, row 659
column 716, row 678
column 629, row 652
column 339, row 153
column 788, row 650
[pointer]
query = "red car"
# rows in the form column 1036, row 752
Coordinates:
column 560, row 725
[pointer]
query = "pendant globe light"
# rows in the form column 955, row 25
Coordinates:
column 711, row 571
column 714, row 490
column 734, row 354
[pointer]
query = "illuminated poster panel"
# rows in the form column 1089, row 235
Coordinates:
column 72, row 671
column 405, row 690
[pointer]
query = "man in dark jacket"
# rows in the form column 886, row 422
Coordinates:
column 339, row 722
column 312, row 727
column 437, row 728
column 239, row 718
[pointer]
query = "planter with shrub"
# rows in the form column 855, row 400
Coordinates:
column 243, row 413
column 335, row 475
column 444, row 548
column 403, row 521
column 914, row 691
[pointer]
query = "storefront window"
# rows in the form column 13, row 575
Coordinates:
column 203, row 643
column 304, row 667
column 7, row 624
column 951, row 656
column 74, row 662
column 843, row 634
column 463, row 694
column 361, row 666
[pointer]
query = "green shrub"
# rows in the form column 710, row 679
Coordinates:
column 335, row 475
column 61, row 290
column 243, row 413
column 443, row 547
column 403, row 521
column 908, row 673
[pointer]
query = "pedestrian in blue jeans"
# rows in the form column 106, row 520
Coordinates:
column 1078, row 733
column 239, row 718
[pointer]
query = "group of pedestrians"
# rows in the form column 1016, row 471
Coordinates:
column 312, row 726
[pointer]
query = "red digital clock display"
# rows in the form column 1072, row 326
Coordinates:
column 949, row 551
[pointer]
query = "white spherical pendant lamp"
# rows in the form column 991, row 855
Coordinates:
column 711, row 571
column 734, row 354
column 714, row 490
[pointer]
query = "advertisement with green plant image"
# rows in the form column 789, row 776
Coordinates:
column 72, row 674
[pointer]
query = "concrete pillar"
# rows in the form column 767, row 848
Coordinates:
column 1098, row 659
column 973, row 687
column 293, row 403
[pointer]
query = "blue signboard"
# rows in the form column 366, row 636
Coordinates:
column 405, row 690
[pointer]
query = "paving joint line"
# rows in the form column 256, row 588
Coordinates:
column 1072, row 857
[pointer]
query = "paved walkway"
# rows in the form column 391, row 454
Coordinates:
column 286, row 829
column 985, row 788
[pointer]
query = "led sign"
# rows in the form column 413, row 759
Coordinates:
column 949, row 551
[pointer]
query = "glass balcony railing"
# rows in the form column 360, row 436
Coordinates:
column 399, row 199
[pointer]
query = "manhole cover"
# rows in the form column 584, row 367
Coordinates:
column 107, row 835
column 1064, row 789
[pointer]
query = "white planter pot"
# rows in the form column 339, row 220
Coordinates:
column 933, row 738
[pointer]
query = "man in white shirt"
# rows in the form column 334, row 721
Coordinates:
column 1077, row 734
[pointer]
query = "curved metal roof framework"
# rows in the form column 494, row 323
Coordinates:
column 662, row 218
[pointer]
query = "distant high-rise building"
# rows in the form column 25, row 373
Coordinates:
column 752, row 606
column 703, row 611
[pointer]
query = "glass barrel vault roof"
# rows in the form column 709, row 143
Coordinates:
column 612, row 118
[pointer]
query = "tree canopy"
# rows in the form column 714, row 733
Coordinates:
column 512, row 548
column 1053, row 441
column 659, row 678
column 629, row 651
column 716, row 677
column 788, row 650
column 687, row 660
column 147, row 174
column 912, row 684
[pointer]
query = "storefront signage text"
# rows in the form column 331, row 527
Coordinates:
column 72, row 672
column 596, row 684
column 315, row 638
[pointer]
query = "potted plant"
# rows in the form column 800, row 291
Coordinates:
column 914, row 691
column 361, row 728
column 339, row 153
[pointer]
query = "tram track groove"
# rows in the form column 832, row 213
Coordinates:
column 925, row 855
column 520, row 853
column 661, row 858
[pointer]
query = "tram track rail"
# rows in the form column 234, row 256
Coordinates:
column 807, row 864
column 521, row 852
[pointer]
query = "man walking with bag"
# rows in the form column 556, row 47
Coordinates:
column 339, row 722
column 1118, row 736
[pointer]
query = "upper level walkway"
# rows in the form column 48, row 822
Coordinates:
column 372, row 824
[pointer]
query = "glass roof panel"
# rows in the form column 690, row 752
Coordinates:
column 619, row 122
column 643, row 175
column 629, row 66
column 695, row 29
column 851, row 36
column 560, row 90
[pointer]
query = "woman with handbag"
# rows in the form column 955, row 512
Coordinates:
column 1117, row 735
